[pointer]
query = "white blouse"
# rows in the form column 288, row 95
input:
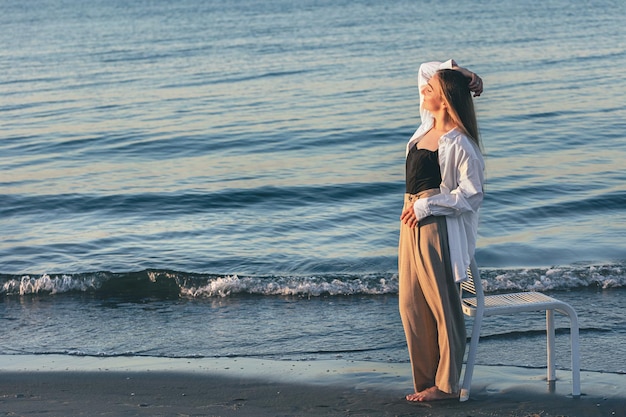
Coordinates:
column 462, row 178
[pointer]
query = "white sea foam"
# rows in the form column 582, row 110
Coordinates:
column 555, row 278
column 50, row 285
column 145, row 283
column 307, row 286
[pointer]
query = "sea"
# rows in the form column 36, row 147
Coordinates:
column 224, row 178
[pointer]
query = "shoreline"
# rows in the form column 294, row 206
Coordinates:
column 144, row 386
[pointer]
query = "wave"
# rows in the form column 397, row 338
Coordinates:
column 207, row 79
column 174, row 284
column 541, row 333
column 167, row 284
column 190, row 202
column 555, row 278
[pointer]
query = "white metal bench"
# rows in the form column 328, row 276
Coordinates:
column 478, row 305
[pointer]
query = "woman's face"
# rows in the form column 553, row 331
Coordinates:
column 432, row 95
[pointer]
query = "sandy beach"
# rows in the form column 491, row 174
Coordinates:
column 137, row 386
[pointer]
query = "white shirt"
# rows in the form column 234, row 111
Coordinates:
column 462, row 177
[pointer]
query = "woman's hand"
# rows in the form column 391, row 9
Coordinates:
column 475, row 84
column 408, row 217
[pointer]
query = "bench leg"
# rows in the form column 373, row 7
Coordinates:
column 550, row 345
column 471, row 358
column 574, row 340
column 575, row 349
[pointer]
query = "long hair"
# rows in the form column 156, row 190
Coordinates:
column 456, row 93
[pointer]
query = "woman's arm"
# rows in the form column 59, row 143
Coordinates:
column 467, row 168
column 475, row 84
column 428, row 69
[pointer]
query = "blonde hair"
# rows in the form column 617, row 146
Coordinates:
column 458, row 98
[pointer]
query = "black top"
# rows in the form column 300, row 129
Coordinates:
column 422, row 170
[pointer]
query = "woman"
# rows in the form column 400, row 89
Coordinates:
column 444, row 190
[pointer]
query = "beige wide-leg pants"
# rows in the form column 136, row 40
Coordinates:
column 429, row 303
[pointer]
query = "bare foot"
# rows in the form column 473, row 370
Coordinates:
column 412, row 397
column 431, row 394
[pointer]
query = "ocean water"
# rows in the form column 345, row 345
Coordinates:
column 224, row 179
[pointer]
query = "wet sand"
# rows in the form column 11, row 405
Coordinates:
column 130, row 386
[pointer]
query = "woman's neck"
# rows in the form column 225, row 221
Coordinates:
column 443, row 123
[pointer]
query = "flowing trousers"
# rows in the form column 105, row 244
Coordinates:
column 429, row 303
